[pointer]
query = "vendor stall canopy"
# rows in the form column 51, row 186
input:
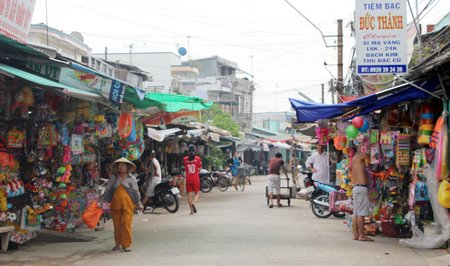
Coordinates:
column 311, row 112
column 67, row 90
column 165, row 102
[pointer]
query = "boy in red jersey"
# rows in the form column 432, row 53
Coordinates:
column 192, row 166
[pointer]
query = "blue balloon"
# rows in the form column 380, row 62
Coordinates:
column 182, row 51
column 365, row 126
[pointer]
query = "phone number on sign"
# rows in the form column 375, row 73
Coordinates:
column 381, row 69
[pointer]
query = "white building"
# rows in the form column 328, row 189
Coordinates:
column 158, row 65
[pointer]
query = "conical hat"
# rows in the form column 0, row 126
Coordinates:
column 125, row 160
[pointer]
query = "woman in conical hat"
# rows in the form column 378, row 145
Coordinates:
column 123, row 194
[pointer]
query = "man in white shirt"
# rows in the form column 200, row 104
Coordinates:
column 318, row 162
column 154, row 178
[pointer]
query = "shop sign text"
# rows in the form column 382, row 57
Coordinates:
column 381, row 46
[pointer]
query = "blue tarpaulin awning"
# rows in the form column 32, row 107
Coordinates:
column 311, row 112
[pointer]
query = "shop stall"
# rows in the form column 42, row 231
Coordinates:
column 405, row 132
column 51, row 148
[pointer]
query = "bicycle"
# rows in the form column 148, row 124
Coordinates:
column 225, row 181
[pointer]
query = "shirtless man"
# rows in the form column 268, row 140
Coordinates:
column 360, row 190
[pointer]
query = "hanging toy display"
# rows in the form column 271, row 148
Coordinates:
column 351, row 132
column 426, row 125
column 125, row 125
column 340, row 142
column 322, row 135
column 323, row 132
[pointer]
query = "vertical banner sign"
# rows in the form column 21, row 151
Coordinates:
column 381, row 38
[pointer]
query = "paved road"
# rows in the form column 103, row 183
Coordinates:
column 230, row 228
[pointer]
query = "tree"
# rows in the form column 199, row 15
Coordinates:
column 218, row 118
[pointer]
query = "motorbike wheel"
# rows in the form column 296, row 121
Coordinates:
column 170, row 202
column 319, row 210
column 206, row 184
column 339, row 214
column 223, row 184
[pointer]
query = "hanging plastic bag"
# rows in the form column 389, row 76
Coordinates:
column 92, row 215
column 444, row 194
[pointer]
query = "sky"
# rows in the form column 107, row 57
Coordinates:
column 266, row 38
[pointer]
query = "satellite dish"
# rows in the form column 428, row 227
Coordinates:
column 77, row 36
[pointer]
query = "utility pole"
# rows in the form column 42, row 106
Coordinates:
column 330, row 84
column 340, row 75
column 323, row 93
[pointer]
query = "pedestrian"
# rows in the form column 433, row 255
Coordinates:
column 234, row 163
column 192, row 166
column 361, row 203
column 153, row 175
column 318, row 162
column 293, row 166
column 275, row 164
column 123, row 194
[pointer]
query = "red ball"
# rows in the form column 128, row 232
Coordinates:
column 358, row 122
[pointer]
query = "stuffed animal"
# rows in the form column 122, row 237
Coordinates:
column 11, row 217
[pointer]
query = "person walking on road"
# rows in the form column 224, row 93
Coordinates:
column 293, row 166
column 234, row 162
column 192, row 166
column 275, row 164
column 123, row 193
column 361, row 203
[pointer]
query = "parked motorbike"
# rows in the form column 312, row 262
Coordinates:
column 206, row 181
column 308, row 184
column 166, row 195
column 222, row 179
column 320, row 200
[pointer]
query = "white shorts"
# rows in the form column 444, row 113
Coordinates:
column 273, row 181
column 361, row 203
column 150, row 191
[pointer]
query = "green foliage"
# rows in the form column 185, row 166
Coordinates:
column 221, row 120
column 216, row 158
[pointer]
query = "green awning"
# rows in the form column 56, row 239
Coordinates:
column 166, row 102
column 11, row 46
column 70, row 91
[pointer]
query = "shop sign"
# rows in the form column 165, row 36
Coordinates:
column 48, row 70
column 110, row 89
column 381, row 37
column 15, row 18
column 181, row 117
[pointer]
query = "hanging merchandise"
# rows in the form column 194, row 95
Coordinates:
column 323, row 132
column 125, row 124
column 16, row 138
column 444, row 194
column 402, row 151
column 47, row 136
column 340, row 142
column 351, row 132
column 76, row 144
column 439, row 141
column 426, row 125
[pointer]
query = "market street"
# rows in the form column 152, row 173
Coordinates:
column 230, row 228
